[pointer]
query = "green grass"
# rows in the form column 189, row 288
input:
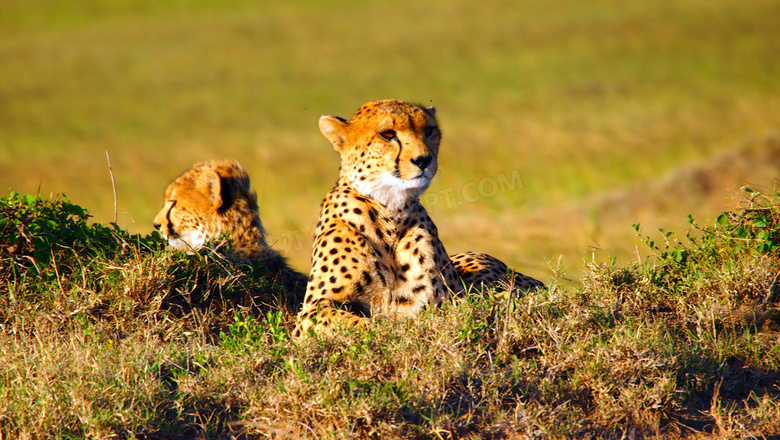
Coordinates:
column 579, row 98
column 610, row 113
column 106, row 334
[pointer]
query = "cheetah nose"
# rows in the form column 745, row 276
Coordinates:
column 157, row 226
column 422, row 161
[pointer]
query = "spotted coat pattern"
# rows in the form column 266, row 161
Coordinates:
column 376, row 250
column 215, row 198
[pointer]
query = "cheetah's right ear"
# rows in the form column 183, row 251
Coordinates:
column 335, row 129
column 210, row 185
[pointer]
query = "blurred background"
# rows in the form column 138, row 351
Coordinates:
column 564, row 122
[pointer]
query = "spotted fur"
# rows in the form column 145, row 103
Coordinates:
column 485, row 271
column 376, row 250
column 215, row 198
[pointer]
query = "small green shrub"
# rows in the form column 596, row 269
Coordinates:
column 49, row 238
column 708, row 253
column 246, row 334
column 758, row 224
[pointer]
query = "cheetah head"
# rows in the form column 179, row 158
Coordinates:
column 210, row 199
column 388, row 150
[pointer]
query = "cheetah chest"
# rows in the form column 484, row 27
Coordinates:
column 387, row 262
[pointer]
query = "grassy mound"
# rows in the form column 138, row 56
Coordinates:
column 106, row 334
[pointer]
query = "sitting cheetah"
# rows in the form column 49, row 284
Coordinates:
column 213, row 198
column 376, row 250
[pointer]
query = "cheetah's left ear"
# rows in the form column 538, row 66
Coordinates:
column 431, row 111
column 335, row 129
column 210, row 185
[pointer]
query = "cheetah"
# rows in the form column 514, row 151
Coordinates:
column 214, row 198
column 376, row 250
column 480, row 271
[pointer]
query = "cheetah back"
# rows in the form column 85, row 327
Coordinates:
column 479, row 271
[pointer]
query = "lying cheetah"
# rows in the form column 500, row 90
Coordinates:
column 214, row 198
column 376, row 250
column 481, row 271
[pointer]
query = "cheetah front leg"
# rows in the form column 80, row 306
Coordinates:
column 346, row 274
column 322, row 319
column 424, row 274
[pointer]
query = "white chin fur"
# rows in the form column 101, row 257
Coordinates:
column 188, row 242
column 392, row 191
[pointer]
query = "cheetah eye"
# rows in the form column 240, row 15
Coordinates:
column 430, row 132
column 387, row 135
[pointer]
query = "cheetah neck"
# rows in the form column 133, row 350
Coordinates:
column 390, row 191
column 248, row 236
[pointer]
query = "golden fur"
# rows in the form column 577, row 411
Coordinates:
column 214, row 198
column 376, row 250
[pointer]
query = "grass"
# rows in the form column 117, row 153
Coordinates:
column 580, row 99
column 107, row 334
column 609, row 113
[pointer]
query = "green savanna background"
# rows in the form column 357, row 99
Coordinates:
column 564, row 122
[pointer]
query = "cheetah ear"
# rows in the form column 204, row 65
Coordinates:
column 210, row 185
column 431, row 111
column 335, row 129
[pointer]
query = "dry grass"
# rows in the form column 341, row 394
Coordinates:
column 107, row 335
column 579, row 99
